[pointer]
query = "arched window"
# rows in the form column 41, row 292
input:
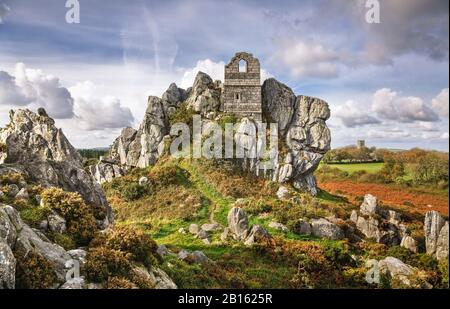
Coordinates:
column 242, row 66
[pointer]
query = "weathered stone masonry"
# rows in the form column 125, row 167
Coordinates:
column 242, row 88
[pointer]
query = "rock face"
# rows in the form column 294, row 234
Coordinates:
column 301, row 122
column 238, row 223
column 50, row 159
column 384, row 226
column 205, row 95
column 17, row 237
column 105, row 171
column 436, row 235
column 324, row 228
column 144, row 146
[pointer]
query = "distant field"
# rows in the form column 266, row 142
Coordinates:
column 353, row 167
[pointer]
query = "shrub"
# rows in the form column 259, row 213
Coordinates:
column 3, row 147
column 63, row 240
column 81, row 224
column 102, row 263
column 133, row 191
column 139, row 246
column 443, row 270
column 33, row 271
column 120, row 283
column 10, row 178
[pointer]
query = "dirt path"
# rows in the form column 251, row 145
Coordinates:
column 397, row 197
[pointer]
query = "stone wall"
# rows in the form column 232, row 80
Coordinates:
column 242, row 90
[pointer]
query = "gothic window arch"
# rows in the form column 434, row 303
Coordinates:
column 242, row 66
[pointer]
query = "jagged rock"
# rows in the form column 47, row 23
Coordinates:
column 278, row 226
column 126, row 149
column 369, row 206
column 303, row 228
column 79, row 255
column 202, row 234
column 50, row 160
column 174, row 95
column 194, row 229
column 56, row 223
column 7, row 265
column 409, row 243
column 278, row 104
column 433, row 225
column 238, row 223
column 282, row 192
column 211, row 227
column 258, row 235
column 74, row 284
column 199, row 257
column 23, row 240
column 105, row 171
column 143, row 181
column 442, row 243
column 204, row 96
column 324, row 228
column 22, row 194
column 156, row 276
column 381, row 225
column 402, row 272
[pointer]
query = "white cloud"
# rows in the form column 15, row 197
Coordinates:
column 10, row 93
column 389, row 105
column 353, row 115
column 4, row 10
column 214, row 69
column 98, row 113
column 307, row 59
column 44, row 91
column 440, row 103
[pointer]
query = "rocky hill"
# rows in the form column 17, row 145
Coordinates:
column 141, row 218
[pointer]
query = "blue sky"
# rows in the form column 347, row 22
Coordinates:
column 386, row 83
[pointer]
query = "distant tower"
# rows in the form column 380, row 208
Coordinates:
column 360, row 143
column 242, row 86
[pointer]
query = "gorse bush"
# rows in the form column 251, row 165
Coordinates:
column 102, row 263
column 80, row 220
column 34, row 271
column 133, row 191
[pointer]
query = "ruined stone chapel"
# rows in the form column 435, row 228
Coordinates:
column 242, row 86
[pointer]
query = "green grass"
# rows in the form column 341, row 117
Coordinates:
column 353, row 167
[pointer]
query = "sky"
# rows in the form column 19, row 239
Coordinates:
column 387, row 82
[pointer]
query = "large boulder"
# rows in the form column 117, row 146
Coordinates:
column 49, row 159
column 238, row 223
column 436, row 234
column 405, row 274
column 7, row 266
column 383, row 226
column 324, row 228
column 17, row 237
column 205, row 94
column 105, row 171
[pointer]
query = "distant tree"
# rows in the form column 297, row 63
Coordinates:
column 432, row 167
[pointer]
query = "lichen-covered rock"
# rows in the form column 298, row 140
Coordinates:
column 174, row 95
column 156, row 276
column 436, row 234
column 369, row 205
column 56, row 223
column 258, row 235
column 325, row 229
column 50, row 159
column 409, row 243
column 7, row 266
column 22, row 240
column 105, row 171
column 238, row 223
column 204, row 96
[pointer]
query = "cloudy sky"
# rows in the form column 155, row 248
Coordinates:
column 387, row 83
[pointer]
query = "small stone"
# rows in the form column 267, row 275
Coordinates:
column 206, row 241
column 194, row 229
column 56, row 223
column 22, row 194
column 283, row 192
column 162, row 250
column 143, row 181
column 210, row 227
column 202, row 234
column 181, row 230
column 183, row 254
column 43, row 225
column 278, row 226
